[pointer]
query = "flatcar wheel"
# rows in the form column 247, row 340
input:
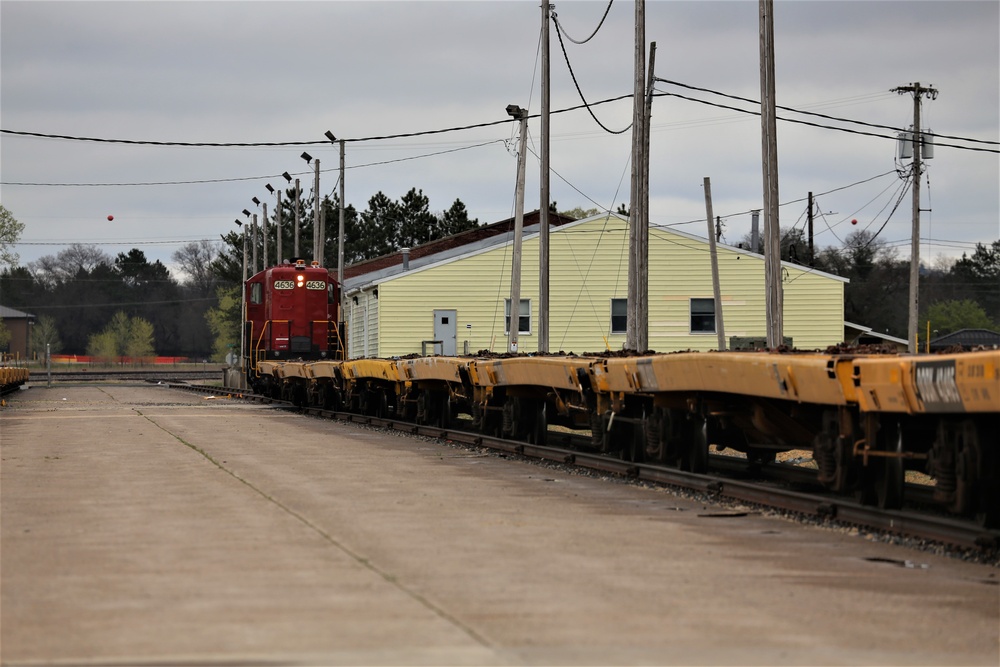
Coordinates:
column 445, row 415
column 891, row 476
column 656, row 433
column 696, row 457
column 540, row 427
column 637, row 442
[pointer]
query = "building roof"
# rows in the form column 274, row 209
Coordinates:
column 967, row 338
column 441, row 248
column 370, row 272
column 12, row 314
column 867, row 332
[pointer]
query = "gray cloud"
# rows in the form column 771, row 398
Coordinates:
column 279, row 71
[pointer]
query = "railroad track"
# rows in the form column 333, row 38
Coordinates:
column 819, row 506
column 136, row 375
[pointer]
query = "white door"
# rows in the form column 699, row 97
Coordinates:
column 446, row 330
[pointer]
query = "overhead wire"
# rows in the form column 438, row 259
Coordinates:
column 820, row 115
column 572, row 74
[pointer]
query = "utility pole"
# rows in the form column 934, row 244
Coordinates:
column 317, row 241
column 263, row 235
column 809, row 217
column 515, row 271
column 298, row 197
column 340, row 240
column 769, row 139
column 917, row 91
column 642, row 309
column 277, row 221
column 716, row 289
column 543, row 209
column 637, row 321
column 254, row 265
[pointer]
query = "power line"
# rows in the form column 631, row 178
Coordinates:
column 98, row 243
column 820, row 115
column 254, row 178
column 585, row 105
column 577, row 84
column 827, row 127
column 583, row 41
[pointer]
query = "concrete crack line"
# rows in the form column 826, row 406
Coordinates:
column 358, row 558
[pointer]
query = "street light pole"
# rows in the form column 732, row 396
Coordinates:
column 298, row 195
column 520, row 114
column 317, row 251
column 255, row 243
column 243, row 306
column 277, row 215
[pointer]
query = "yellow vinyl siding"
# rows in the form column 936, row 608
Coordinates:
column 588, row 267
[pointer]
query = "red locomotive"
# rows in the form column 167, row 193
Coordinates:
column 292, row 313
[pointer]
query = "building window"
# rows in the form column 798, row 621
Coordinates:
column 702, row 315
column 524, row 316
column 619, row 316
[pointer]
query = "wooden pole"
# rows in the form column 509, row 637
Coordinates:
column 720, row 329
column 253, row 268
column 277, row 257
column 298, row 197
column 769, row 138
column 914, row 299
column 317, row 242
column 340, row 240
column 543, row 209
column 515, row 271
column 263, row 235
column 635, row 315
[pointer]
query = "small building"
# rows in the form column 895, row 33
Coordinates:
column 19, row 325
column 455, row 298
column 859, row 334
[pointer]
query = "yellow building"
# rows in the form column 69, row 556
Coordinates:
column 456, row 300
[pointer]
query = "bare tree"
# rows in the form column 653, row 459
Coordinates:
column 194, row 260
column 52, row 270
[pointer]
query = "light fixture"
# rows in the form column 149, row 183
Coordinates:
column 515, row 111
column 305, row 156
column 269, row 188
column 256, row 201
column 238, row 223
column 329, row 135
column 287, row 177
column 246, row 213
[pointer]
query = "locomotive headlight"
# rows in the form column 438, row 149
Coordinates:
column 300, row 279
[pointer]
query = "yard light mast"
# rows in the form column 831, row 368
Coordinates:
column 514, row 327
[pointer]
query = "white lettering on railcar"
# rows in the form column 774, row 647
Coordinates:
column 936, row 384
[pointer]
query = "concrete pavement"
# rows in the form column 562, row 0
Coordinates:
column 141, row 525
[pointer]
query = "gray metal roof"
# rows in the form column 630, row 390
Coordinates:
column 12, row 314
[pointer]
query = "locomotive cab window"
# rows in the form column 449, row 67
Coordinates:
column 702, row 315
column 256, row 293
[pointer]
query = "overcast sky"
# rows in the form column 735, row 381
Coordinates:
column 249, row 72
